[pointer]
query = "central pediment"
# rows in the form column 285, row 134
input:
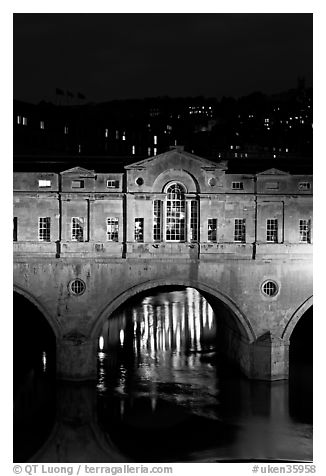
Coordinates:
column 175, row 158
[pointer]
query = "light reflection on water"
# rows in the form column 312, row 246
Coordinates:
column 162, row 385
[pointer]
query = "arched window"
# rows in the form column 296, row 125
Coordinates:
column 175, row 213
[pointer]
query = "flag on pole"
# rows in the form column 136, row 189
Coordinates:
column 59, row 92
column 80, row 96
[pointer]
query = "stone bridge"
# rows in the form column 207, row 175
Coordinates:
column 254, row 329
column 85, row 242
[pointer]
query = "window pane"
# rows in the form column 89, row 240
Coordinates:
column 271, row 230
column 212, row 229
column 77, row 229
column 157, row 220
column 44, row 226
column 112, row 229
column 240, row 230
column 175, row 213
column 194, row 221
column 305, row 230
column 139, row 230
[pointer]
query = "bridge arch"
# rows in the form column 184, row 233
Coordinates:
column 294, row 319
column 242, row 321
column 51, row 321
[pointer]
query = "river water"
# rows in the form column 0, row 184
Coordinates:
column 165, row 395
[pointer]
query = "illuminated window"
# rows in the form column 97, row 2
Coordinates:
column 305, row 230
column 271, row 230
column 77, row 228
column 123, row 135
column 148, row 151
column 157, row 220
column 155, row 151
column 66, row 130
column 44, row 229
column 304, row 186
column 269, row 288
column 77, row 184
column 41, row 124
column 175, row 213
column 212, row 230
column 139, row 230
column 106, row 133
column 15, row 228
column 133, row 150
column 240, row 230
column 193, row 221
column 155, row 140
column 44, row 183
column 237, row 185
column 112, row 229
column 112, row 183
column 24, row 121
column 19, row 119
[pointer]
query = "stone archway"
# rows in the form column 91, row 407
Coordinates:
column 33, row 300
column 294, row 319
column 243, row 323
column 238, row 335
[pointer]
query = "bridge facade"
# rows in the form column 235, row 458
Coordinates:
column 86, row 242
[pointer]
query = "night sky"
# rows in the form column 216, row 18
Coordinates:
column 119, row 56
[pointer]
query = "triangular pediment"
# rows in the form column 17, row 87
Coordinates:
column 273, row 171
column 78, row 171
column 178, row 155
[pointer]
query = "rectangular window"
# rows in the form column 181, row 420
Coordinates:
column 44, row 228
column 77, row 229
column 240, row 230
column 66, row 130
column 155, row 140
column 112, row 183
column 44, row 183
column 237, row 185
column 15, row 228
column 139, row 230
column 112, row 229
column 304, row 186
column 106, row 133
column 271, row 230
column 157, row 220
column 193, row 221
column 24, row 121
column 212, row 230
column 41, row 124
column 19, row 119
column 305, row 231
column 77, row 184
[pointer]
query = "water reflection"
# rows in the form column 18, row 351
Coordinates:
column 166, row 395
column 162, row 394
